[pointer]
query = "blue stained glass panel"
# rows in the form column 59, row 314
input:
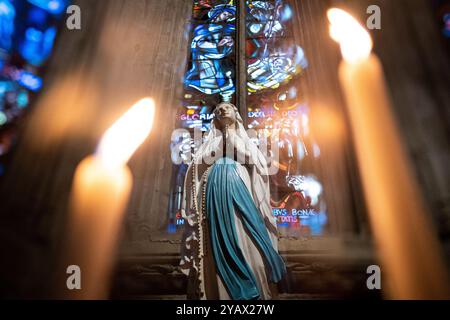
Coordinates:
column 28, row 29
column 7, row 16
column 52, row 6
column 212, row 43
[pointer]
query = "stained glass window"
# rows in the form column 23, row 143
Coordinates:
column 27, row 34
column 279, row 112
column 277, row 108
column 443, row 14
column 209, row 79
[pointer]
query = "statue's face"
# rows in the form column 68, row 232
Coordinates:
column 225, row 114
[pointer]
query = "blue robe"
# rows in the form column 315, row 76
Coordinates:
column 227, row 195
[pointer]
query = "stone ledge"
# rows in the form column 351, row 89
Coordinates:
column 311, row 273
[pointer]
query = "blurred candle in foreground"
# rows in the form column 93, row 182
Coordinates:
column 100, row 193
column 411, row 263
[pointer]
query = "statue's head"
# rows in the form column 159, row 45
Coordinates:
column 226, row 114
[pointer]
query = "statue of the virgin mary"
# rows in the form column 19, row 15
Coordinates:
column 229, row 248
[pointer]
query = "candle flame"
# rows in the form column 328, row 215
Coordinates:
column 356, row 43
column 122, row 139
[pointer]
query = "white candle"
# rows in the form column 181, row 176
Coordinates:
column 100, row 193
column 411, row 261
